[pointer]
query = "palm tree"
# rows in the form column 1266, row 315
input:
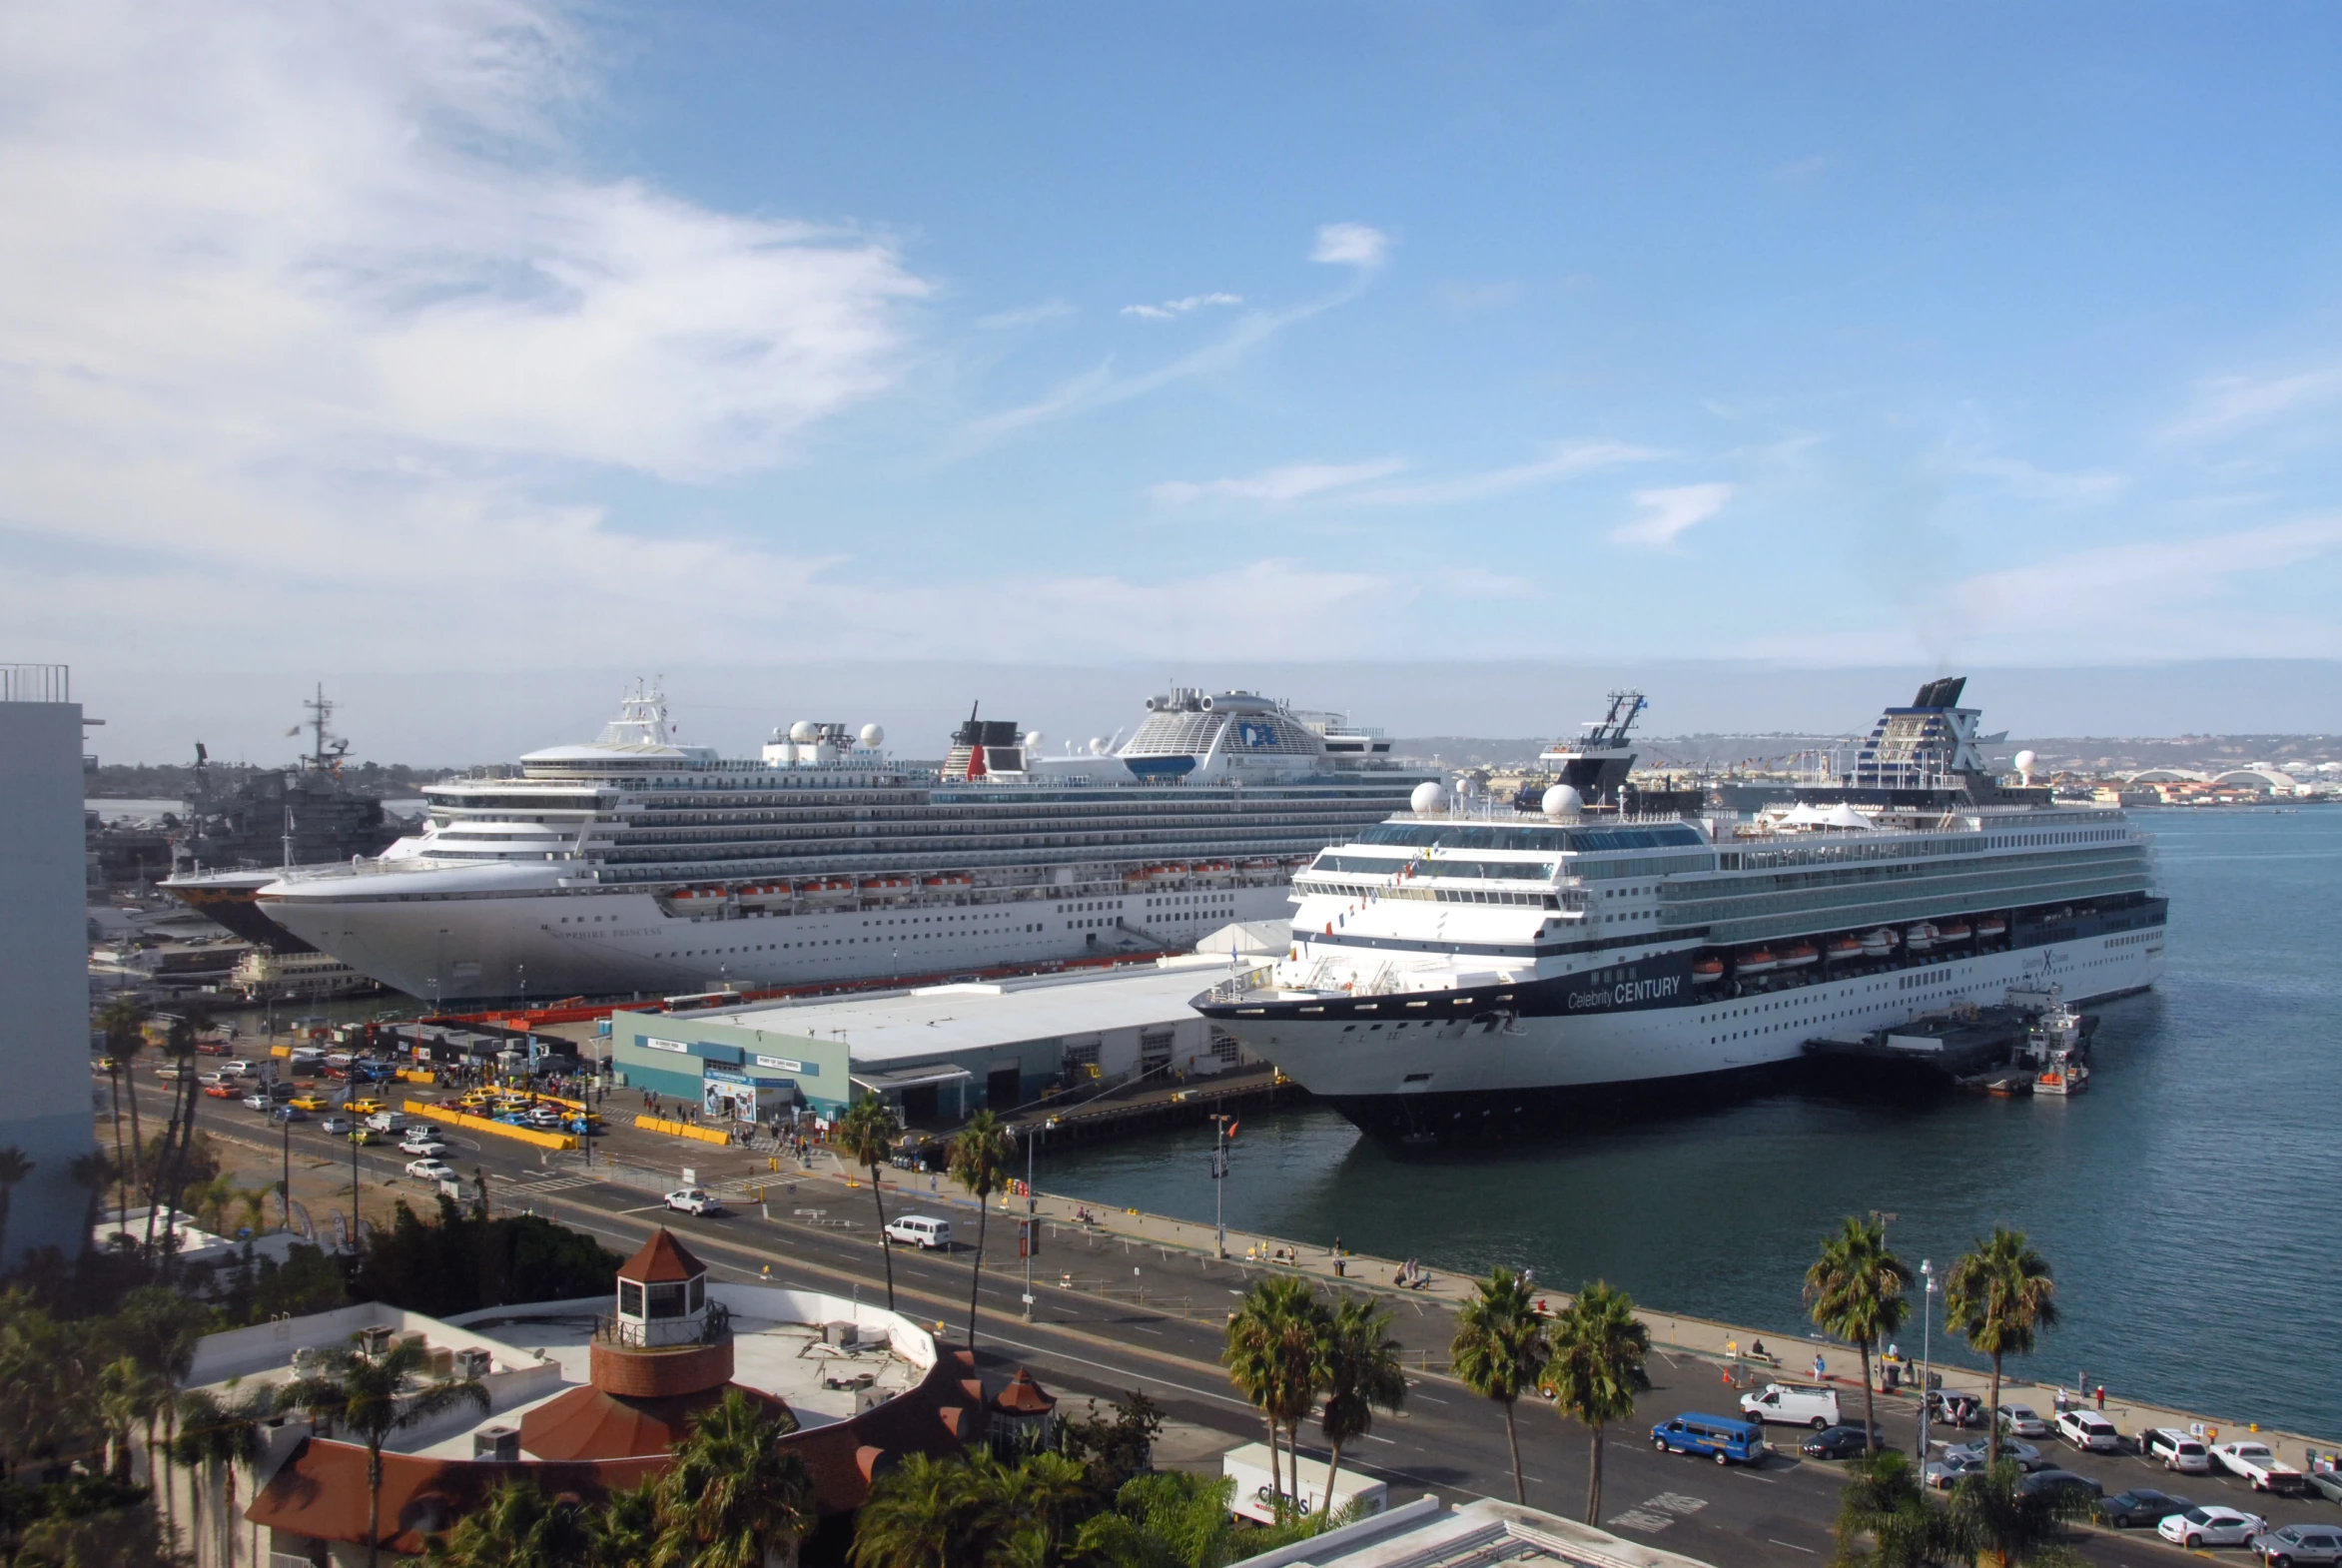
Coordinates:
column 517, row 1526
column 1992, row 1517
column 914, row 1516
column 980, row 1160
column 1358, row 1366
column 217, row 1436
column 124, row 1020
column 1883, row 1500
column 1273, row 1343
column 1596, row 1368
column 127, row 1396
column 14, row 1168
column 624, row 1532
column 1855, row 1291
column 1500, row 1350
column 733, row 1499
column 866, row 1133
column 158, row 1327
column 1999, row 1294
column 375, row 1396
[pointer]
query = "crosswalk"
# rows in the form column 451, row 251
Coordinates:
column 546, row 1183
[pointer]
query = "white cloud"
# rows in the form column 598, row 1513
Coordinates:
column 2226, row 405
column 2123, row 591
column 1170, row 307
column 1563, row 461
column 1350, row 245
column 1668, row 511
column 1025, row 316
column 1278, row 486
column 318, row 293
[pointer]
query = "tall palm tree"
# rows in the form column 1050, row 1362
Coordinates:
column 1597, row 1369
column 374, row 1397
column 127, row 1396
column 981, row 1157
column 624, row 1530
column 1993, row 1518
column 517, row 1526
column 158, row 1327
column 1855, row 1289
column 1883, row 1500
column 1358, row 1366
column 123, row 1021
column 1271, row 1353
column 1999, row 1294
column 733, row 1499
column 914, row 1516
column 216, row 1437
column 866, row 1133
column 14, row 1168
column 1500, row 1350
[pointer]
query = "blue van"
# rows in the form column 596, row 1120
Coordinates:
column 1728, row 1437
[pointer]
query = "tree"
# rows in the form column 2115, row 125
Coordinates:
column 216, row 1438
column 128, row 1397
column 624, row 1531
column 1112, row 1449
column 459, row 1260
column 123, row 1021
column 1855, row 1289
column 1884, row 1503
column 1358, row 1367
column 1271, row 1353
column 1999, row 1294
column 980, row 1160
column 866, row 1133
column 733, row 1499
column 914, row 1517
column 517, row 1526
column 1596, row 1368
column 158, row 1327
column 14, row 1168
column 1501, row 1352
column 970, row 1512
column 1992, row 1517
column 1174, row 1520
column 375, row 1396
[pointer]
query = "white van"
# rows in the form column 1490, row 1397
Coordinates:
column 1791, row 1405
column 389, row 1121
column 921, row 1231
column 238, row 1069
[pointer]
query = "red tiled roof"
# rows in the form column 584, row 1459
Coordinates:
column 586, row 1423
column 660, row 1260
column 321, row 1491
column 1024, row 1397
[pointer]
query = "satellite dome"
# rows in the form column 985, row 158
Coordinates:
column 804, row 731
column 1099, row 746
column 2025, row 765
column 1563, row 801
column 1429, row 799
column 1033, row 740
column 873, row 734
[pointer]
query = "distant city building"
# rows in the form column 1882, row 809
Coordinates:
column 43, row 960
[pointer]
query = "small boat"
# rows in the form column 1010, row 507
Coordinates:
column 1799, row 956
column 1879, row 943
column 1844, row 948
column 2064, row 1074
column 1707, row 970
column 1958, row 931
column 1918, row 938
column 1991, row 927
column 2010, row 1084
column 1759, row 961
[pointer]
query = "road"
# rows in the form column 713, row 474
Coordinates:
column 1112, row 1315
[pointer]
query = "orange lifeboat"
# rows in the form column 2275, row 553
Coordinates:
column 1707, row 970
column 1843, row 949
column 1958, row 931
column 1759, row 961
column 1991, row 927
column 1798, row 956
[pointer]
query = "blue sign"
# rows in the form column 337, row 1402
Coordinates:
column 1256, row 735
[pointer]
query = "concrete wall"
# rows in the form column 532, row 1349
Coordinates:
column 44, row 973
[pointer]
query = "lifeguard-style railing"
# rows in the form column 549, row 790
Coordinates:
column 36, row 683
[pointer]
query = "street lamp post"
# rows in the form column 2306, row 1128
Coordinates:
column 1218, row 1174
column 1926, row 1352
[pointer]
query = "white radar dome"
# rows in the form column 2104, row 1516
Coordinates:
column 1563, row 801
column 874, row 734
column 2026, row 762
column 1033, row 740
column 1099, row 746
column 1429, row 799
column 803, row 732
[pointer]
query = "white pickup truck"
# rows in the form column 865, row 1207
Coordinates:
column 2257, row 1463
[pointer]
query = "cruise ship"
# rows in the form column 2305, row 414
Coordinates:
column 634, row 864
column 1464, row 969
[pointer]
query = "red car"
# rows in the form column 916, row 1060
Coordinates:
column 221, row 1091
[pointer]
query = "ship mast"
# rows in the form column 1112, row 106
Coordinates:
column 321, row 708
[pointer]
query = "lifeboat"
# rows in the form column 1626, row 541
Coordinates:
column 1799, row 956
column 1991, row 927
column 1955, row 932
column 932, row 882
column 1760, row 962
column 1843, row 949
column 1879, row 943
column 1164, row 872
column 1707, row 970
column 1918, row 938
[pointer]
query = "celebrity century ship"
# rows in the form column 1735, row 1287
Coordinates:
column 1461, row 965
column 636, row 864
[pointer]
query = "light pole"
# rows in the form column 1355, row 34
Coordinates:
column 1926, row 1352
column 1032, row 1206
column 1219, row 1128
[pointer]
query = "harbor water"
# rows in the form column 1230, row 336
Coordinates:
column 2187, row 1203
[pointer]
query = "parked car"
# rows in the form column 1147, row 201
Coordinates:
column 412, row 1145
column 1791, row 1405
column 693, row 1201
column 288, row 1113
column 2042, row 1481
column 2177, row 1450
column 1956, row 1409
column 2027, row 1457
column 2259, row 1464
column 2327, row 1485
column 2089, row 1431
column 2140, row 1505
column 2210, row 1525
column 1838, row 1442
column 921, row 1231
column 1945, row 1473
column 429, row 1170
column 1718, row 1435
column 2020, row 1420
column 2300, row 1544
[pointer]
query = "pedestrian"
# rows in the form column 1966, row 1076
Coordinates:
column 2101, row 1396
column 1821, row 1368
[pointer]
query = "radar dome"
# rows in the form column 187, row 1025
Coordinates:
column 804, row 731
column 874, row 734
column 1429, row 799
column 1033, row 740
column 2026, row 762
column 1099, row 746
column 1563, row 801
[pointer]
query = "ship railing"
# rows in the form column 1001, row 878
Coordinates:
column 1239, row 985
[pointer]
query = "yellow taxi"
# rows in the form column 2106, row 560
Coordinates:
column 472, row 1099
column 362, row 1108
column 309, row 1102
column 363, row 1136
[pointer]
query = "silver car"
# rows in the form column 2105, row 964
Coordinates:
column 1943, row 1475
column 2027, row 1457
column 2302, row 1544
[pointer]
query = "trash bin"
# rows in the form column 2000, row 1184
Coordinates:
column 1892, row 1378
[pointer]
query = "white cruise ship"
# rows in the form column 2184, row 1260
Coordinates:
column 1456, row 968
column 636, row 865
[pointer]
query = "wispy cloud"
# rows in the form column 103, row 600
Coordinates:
column 1561, row 462
column 1668, row 511
column 2226, row 405
column 1278, row 486
column 1026, row 315
column 2042, row 485
column 1173, row 308
column 1350, row 245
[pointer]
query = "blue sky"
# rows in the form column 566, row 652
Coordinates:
column 484, row 333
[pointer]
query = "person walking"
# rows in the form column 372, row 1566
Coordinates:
column 1821, row 1368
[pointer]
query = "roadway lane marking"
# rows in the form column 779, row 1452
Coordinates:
column 1431, row 1399
column 1370, row 1437
column 1793, row 1546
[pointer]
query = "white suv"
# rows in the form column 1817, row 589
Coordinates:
column 2089, row 1431
column 2178, row 1452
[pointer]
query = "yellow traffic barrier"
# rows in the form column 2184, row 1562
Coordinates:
column 416, row 1075
column 525, row 1134
column 705, row 1134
